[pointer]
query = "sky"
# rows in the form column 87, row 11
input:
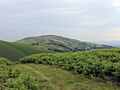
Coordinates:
column 88, row 20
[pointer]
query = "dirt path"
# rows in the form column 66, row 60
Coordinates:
column 37, row 72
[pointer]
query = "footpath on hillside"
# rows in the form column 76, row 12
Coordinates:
column 52, row 78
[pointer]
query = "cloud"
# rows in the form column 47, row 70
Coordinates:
column 112, row 34
column 115, row 3
column 81, row 19
column 8, row 2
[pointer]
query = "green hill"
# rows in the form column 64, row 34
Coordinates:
column 60, row 44
column 14, row 51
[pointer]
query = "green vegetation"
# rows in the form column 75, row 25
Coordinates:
column 12, row 78
column 15, row 51
column 103, row 64
column 89, row 70
column 52, row 78
column 60, row 44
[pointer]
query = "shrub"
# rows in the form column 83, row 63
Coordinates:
column 12, row 78
column 98, row 63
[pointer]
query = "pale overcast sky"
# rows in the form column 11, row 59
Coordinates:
column 88, row 20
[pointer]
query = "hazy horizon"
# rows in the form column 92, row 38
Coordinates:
column 85, row 20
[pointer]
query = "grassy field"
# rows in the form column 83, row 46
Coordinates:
column 51, row 78
column 15, row 51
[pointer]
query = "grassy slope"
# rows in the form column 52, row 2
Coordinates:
column 103, row 63
column 52, row 78
column 15, row 51
column 58, row 43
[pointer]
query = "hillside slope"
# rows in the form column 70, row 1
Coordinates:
column 60, row 44
column 103, row 63
column 51, row 78
column 44, row 77
column 15, row 51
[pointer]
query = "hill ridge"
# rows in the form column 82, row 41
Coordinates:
column 15, row 51
column 61, row 44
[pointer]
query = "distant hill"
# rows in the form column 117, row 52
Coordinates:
column 114, row 43
column 61, row 44
column 14, row 51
